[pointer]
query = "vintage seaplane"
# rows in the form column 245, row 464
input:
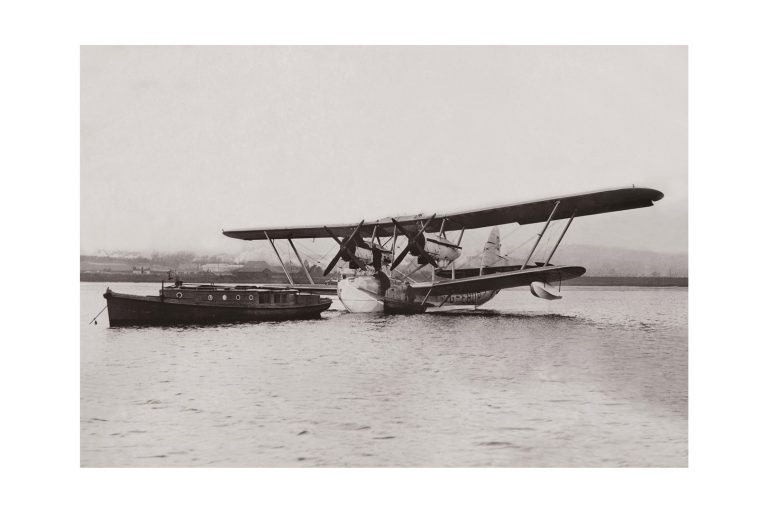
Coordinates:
column 372, row 283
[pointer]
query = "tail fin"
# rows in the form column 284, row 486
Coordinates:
column 492, row 249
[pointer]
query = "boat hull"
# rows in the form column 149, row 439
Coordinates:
column 124, row 309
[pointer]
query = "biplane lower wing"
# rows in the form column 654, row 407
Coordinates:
column 551, row 274
column 531, row 212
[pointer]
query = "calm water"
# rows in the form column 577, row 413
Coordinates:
column 599, row 378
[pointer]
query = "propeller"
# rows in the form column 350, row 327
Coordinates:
column 344, row 248
column 413, row 246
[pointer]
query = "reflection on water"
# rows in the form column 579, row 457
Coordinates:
column 599, row 378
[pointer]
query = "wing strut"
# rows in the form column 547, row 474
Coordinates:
column 290, row 279
column 461, row 235
column 560, row 239
column 530, row 254
column 394, row 241
column 301, row 262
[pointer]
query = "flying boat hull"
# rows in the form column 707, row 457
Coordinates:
column 361, row 294
column 462, row 300
column 365, row 293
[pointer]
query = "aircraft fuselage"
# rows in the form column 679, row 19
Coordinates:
column 370, row 292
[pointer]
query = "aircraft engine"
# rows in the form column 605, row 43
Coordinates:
column 433, row 249
column 440, row 248
column 372, row 257
column 355, row 251
column 363, row 254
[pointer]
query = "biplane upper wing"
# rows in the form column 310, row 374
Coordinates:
column 531, row 212
column 549, row 274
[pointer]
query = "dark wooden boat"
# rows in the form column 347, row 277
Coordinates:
column 206, row 304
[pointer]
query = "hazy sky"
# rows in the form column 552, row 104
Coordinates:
column 178, row 143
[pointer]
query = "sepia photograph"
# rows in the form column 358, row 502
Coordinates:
column 384, row 257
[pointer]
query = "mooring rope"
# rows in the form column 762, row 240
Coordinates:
column 97, row 316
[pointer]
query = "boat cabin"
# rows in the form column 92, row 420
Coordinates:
column 238, row 295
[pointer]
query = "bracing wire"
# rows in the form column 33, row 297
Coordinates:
column 314, row 254
column 529, row 239
column 544, row 248
column 507, row 254
column 290, row 261
column 510, row 233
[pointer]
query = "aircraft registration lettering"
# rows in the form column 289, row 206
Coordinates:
column 466, row 297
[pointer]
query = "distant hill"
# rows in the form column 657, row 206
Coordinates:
column 599, row 261
column 612, row 261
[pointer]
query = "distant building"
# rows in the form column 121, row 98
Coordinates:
column 258, row 271
column 188, row 267
column 259, row 266
column 219, row 268
column 99, row 266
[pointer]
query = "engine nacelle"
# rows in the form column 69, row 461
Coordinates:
column 386, row 255
column 363, row 254
column 371, row 257
column 441, row 249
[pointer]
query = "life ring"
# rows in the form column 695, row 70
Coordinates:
column 210, row 297
column 224, row 297
column 250, row 297
column 237, row 297
column 178, row 295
